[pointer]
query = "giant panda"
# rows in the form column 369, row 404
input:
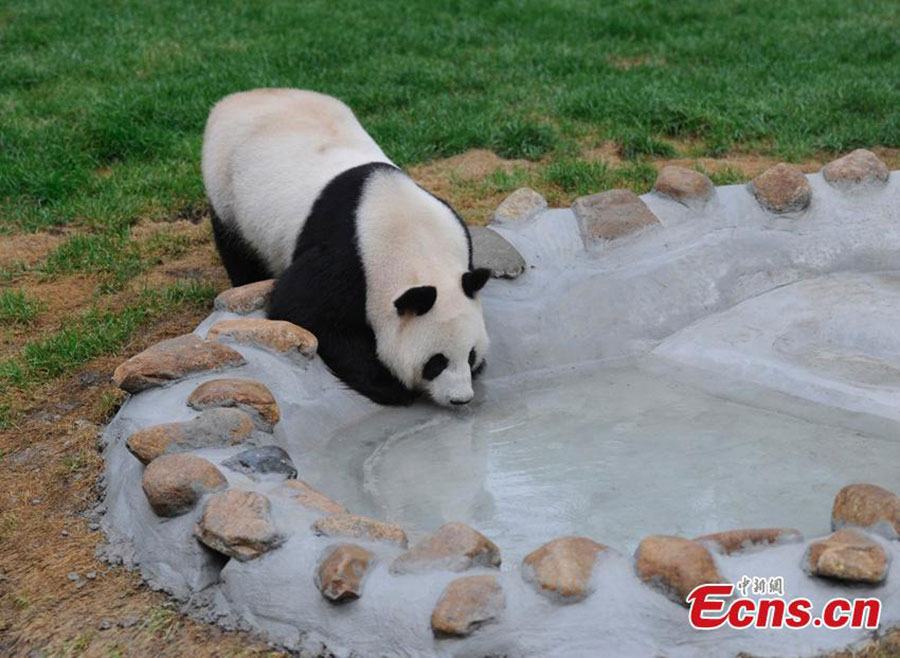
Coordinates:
column 376, row 267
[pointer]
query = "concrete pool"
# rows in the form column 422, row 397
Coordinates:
column 707, row 364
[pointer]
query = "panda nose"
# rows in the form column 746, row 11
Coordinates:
column 459, row 402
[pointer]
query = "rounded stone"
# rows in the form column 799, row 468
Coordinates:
column 453, row 547
column 467, row 604
column 303, row 494
column 866, row 506
column 236, row 523
column 262, row 460
column 360, row 527
column 782, row 188
column 687, row 186
column 174, row 483
column 847, row 555
column 213, row 428
column 342, row 570
column 245, row 299
column 611, row 214
column 675, row 565
column 562, row 568
column 173, row 359
column 150, row 442
column 247, row 395
column 524, row 203
column 493, row 251
column 733, row 541
column 859, row 167
column 274, row 335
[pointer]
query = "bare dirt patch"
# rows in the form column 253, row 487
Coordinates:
column 750, row 164
column 58, row 299
column 186, row 252
column 176, row 227
column 466, row 181
column 27, row 248
column 456, row 179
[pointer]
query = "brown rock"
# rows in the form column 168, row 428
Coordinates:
column 675, row 565
column 866, row 505
column 245, row 299
column 305, row 495
column 174, row 483
column 454, row 547
column 687, row 186
column 847, row 555
column 237, row 524
column 782, row 188
column 360, row 527
column 148, row 443
column 342, row 570
column 275, row 335
column 214, row 428
column 611, row 214
column 562, row 568
column 859, row 167
column 173, row 359
column 733, row 541
column 248, row 395
column 522, row 204
column 466, row 604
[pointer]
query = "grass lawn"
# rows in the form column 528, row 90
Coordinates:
column 103, row 104
column 104, row 243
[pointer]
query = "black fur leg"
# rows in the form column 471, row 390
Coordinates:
column 241, row 261
column 316, row 293
column 353, row 359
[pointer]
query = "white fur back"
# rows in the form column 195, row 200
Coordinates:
column 267, row 154
column 407, row 238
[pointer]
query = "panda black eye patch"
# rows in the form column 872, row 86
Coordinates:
column 472, row 357
column 435, row 366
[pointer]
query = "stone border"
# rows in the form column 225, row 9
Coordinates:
column 236, row 521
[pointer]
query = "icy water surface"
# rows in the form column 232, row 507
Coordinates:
column 614, row 454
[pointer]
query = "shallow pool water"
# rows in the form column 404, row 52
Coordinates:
column 614, row 454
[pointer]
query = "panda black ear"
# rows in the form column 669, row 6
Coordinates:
column 474, row 281
column 417, row 300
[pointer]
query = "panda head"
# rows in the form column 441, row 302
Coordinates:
column 440, row 340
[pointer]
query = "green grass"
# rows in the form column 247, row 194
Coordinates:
column 114, row 256
column 635, row 144
column 103, row 104
column 95, row 333
column 74, row 463
column 17, row 308
column 162, row 620
column 579, row 177
column 725, row 175
column 571, row 177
